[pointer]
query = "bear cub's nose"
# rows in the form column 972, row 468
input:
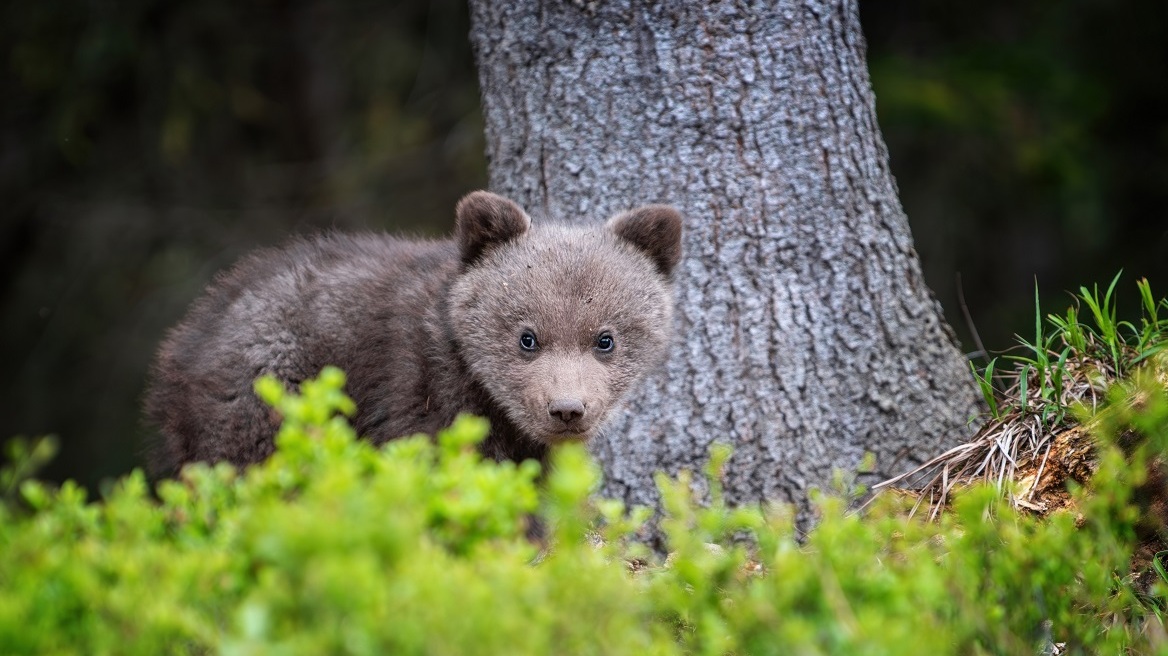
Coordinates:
column 567, row 410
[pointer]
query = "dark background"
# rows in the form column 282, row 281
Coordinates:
column 145, row 144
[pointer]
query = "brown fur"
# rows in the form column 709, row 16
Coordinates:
column 426, row 330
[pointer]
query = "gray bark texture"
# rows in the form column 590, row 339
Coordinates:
column 805, row 334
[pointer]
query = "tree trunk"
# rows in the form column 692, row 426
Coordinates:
column 805, row 334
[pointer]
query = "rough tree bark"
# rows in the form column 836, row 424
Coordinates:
column 805, row 333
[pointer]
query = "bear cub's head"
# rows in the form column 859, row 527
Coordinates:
column 557, row 322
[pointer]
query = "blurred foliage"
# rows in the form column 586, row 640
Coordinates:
column 145, row 144
column 334, row 546
column 1029, row 140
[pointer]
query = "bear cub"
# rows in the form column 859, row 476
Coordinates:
column 540, row 329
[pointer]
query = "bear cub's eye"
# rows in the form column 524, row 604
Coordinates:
column 527, row 341
column 605, row 343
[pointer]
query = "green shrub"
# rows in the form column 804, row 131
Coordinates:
column 336, row 547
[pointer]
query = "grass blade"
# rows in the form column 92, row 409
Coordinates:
column 985, row 382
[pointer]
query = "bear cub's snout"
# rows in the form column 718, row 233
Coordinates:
column 569, row 410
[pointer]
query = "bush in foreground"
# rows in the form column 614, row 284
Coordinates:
column 336, row 547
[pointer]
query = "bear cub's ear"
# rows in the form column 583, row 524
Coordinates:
column 483, row 220
column 656, row 230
